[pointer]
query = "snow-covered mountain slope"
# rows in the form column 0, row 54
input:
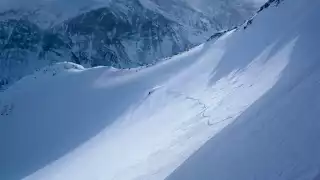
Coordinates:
column 249, row 97
column 118, row 33
column 277, row 136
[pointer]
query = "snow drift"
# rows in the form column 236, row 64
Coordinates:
column 248, row 100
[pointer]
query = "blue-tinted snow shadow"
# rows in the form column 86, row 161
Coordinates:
column 237, row 56
column 29, row 143
column 277, row 136
column 32, row 141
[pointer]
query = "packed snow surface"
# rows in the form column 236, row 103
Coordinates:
column 245, row 106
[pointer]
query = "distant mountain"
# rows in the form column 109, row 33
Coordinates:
column 118, row 33
column 208, row 14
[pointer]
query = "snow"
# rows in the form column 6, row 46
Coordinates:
column 244, row 106
column 277, row 136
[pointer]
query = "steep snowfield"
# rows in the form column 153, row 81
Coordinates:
column 277, row 137
column 66, row 122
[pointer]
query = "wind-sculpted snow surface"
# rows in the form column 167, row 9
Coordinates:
column 277, row 136
column 243, row 106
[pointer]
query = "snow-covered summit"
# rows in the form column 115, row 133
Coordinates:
column 51, row 71
column 59, row 68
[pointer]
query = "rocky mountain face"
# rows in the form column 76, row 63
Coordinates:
column 196, row 22
column 206, row 15
column 118, row 33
